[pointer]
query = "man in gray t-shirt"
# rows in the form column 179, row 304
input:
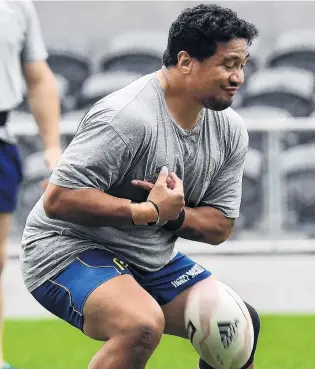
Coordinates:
column 159, row 159
column 22, row 59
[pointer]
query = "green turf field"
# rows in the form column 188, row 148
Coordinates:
column 287, row 342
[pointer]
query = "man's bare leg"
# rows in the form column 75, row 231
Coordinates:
column 128, row 318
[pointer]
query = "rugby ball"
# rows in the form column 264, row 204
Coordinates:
column 219, row 325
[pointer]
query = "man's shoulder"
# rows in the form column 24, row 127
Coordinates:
column 231, row 122
column 237, row 128
column 128, row 111
column 233, row 118
column 129, row 101
column 231, row 128
column 226, row 117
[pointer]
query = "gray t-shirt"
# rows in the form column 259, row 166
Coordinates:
column 131, row 135
column 20, row 42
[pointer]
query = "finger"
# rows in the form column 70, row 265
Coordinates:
column 162, row 176
column 170, row 183
column 173, row 176
column 178, row 183
column 143, row 184
column 138, row 182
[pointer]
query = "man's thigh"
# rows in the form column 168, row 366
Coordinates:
column 97, row 294
column 170, row 285
column 165, row 284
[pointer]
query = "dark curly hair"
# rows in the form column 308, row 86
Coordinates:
column 197, row 31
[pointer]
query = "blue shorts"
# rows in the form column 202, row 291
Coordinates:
column 65, row 294
column 10, row 176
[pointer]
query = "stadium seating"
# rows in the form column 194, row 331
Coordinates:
column 252, row 113
column 299, row 174
column 138, row 52
column 27, row 143
column 287, row 88
column 295, row 48
column 73, row 67
column 34, row 171
column 252, row 198
column 102, row 84
column 63, row 87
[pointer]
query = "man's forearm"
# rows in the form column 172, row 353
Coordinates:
column 205, row 224
column 88, row 207
column 45, row 106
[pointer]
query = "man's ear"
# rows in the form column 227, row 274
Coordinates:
column 185, row 62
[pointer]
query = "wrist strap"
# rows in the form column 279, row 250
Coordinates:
column 174, row 225
column 156, row 210
column 158, row 213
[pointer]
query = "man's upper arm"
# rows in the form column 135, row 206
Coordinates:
column 225, row 190
column 34, row 47
column 97, row 157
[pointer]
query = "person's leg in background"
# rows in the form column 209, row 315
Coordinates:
column 5, row 221
column 10, row 178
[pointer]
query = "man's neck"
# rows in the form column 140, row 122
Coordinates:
column 183, row 109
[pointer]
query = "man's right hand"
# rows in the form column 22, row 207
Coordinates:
column 169, row 201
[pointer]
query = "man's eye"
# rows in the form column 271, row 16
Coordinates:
column 229, row 66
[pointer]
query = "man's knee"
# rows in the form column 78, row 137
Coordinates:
column 132, row 345
column 139, row 339
column 256, row 325
column 140, row 332
column 144, row 333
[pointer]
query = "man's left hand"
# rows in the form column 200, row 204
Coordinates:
column 149, row 185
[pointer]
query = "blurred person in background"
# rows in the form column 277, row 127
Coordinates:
column 98, row 248
column 23, row 55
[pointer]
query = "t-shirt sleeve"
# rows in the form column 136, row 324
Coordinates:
column 225, row 190
column 96, row 158
column 34, row 47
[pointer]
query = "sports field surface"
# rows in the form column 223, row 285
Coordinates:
column 287, row 342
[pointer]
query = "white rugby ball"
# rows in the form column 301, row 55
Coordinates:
column 219, row 325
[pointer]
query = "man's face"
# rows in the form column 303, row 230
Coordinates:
column 214, row 81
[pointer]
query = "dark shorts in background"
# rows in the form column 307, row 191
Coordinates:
column 65, row 294
column 10, row 176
